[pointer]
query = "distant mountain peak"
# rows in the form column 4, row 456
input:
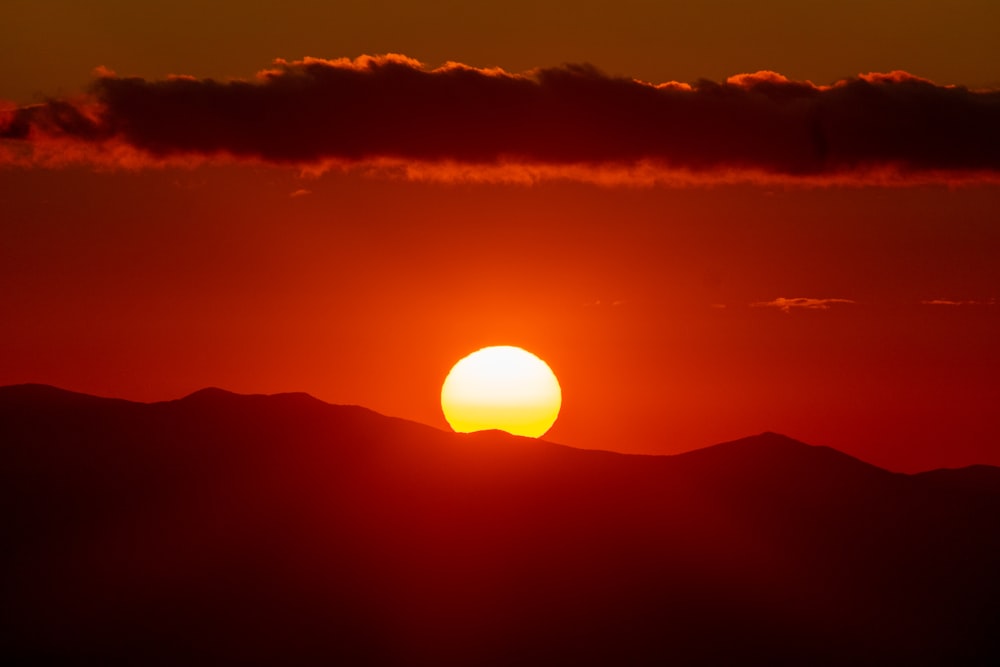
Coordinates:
column 38, row 389
column 36, row 393
column 209, row 393
column 215, row 394
column 769, row 454
column 776, row 435
column 762, row 442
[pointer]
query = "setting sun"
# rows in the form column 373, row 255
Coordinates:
column 502, row 387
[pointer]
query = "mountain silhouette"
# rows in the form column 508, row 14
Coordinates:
column 263, row 530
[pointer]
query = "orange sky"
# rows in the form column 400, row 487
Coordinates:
column 51, row 46
column 664, row 310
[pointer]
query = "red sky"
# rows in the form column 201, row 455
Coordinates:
column 831, row 274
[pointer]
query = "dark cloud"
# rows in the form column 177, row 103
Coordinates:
column 570, row 120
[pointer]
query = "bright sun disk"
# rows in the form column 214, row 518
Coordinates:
column 501, row 387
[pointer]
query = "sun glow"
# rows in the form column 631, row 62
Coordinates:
column 502, row 387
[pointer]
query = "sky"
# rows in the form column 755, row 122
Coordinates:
column 711, row 219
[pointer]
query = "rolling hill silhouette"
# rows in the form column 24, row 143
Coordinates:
column 264, row 530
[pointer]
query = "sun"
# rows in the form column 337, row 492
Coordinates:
column 501, row 387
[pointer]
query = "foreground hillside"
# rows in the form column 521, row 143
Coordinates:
column 227, row 529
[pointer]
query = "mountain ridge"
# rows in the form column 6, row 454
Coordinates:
column 762, row 443
column 224, row 528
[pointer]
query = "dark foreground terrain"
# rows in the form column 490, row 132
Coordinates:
column 278, row 530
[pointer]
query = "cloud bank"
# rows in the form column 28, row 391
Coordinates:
column 391, row 113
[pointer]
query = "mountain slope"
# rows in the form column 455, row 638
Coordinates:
column 279, row 529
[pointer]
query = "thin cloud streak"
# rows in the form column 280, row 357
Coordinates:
column 804, row 303
column 391, row 115
column 950, row 302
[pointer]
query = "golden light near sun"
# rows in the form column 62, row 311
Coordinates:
column 501, row 387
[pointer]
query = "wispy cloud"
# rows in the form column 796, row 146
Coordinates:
column 787, row 304
column 967, row 302
column 392, row 114
column 605, row 304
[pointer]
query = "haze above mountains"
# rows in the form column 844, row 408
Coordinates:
column 230, row 529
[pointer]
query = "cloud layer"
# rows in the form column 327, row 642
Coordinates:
column 573, row 121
